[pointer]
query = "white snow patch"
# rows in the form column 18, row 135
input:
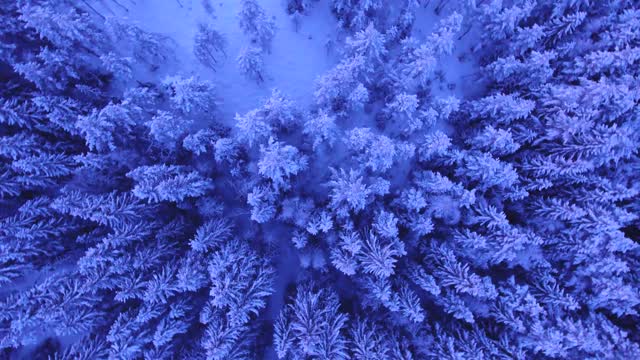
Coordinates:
column 459, row 67
column 297, row 58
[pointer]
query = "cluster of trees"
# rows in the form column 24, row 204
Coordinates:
column 136, row 225
column 260, row 30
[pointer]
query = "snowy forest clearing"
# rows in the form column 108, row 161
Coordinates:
column 297, row 57
column 301, row 51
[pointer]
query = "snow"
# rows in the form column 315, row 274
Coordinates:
column 459, row 67
column 299, row 54
column 297, row 58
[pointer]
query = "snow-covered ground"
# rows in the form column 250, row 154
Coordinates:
column 297, row 58
column 299, row 54
column 458, row 68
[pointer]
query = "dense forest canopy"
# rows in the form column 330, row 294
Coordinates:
column 464, row 184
